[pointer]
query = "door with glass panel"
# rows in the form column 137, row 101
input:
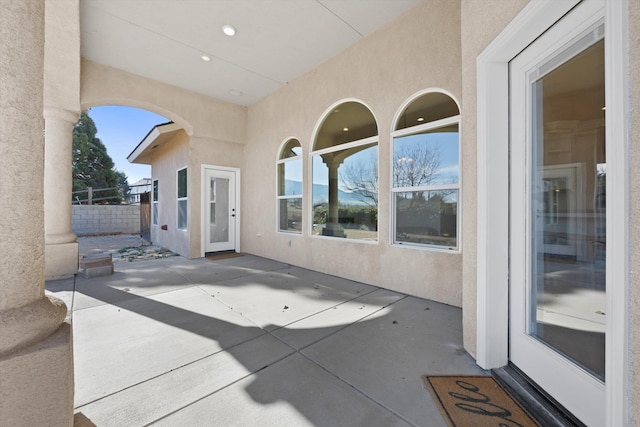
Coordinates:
column 558, row 213
column 220, row 216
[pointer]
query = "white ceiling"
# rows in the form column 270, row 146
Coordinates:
column 276, row 40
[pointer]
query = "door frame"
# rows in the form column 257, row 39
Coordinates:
column 203, row 198
column 493, row 190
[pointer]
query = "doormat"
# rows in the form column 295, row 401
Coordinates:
column 215, row 256
column 478, row 401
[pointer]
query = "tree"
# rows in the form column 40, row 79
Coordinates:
column 91, row 165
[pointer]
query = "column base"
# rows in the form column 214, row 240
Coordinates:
column 60, row 260
column 37, row 382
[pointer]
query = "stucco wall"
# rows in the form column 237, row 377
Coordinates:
column 166, row 161
column 481, row 24
column 418, row 51
column 105, row 219
column 634, row 209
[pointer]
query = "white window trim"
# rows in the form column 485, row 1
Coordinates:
column 493, row 186
column 155, row 212
column 299, row 157
column 392, row 202
column 179, row 199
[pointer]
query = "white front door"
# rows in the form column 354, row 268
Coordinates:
column 558, row 213
column 220, row 210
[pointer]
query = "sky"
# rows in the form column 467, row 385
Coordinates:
column 121, row 129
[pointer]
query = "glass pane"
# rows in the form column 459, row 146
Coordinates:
column 182, row 214
column 568, row 212
column 429, row 158
column 219, row 210
column 427, row 217
column 291, row 149
column 291, row 215
column 154, row 215
column 182, row 183
column 428, row 108
column 155, row 190
column 345, row 193
column 290, row 178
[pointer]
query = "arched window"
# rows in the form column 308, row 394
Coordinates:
column 290, row 187
column 426, row 173
column 345, row 174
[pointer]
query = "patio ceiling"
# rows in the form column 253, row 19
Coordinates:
column 276, row 40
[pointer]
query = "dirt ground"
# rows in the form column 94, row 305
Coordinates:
column 122, row 247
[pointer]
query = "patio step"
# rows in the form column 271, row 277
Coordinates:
column 96, row 265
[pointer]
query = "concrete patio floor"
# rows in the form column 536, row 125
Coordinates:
column 249, row 341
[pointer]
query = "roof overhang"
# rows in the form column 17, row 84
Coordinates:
column 157, row 137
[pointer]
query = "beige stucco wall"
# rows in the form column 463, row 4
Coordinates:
column 634, row 219
column 418, row 51
column 482, row 21
column 166, row 161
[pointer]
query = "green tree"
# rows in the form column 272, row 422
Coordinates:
column 92, row 166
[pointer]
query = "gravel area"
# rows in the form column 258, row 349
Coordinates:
column 122, row 247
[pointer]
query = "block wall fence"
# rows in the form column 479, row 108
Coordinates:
column 105, row 219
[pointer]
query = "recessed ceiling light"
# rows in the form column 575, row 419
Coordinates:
column 345, row 129
column 229, row 30
column 236, row 92
column 205, row 58
column 421, row 119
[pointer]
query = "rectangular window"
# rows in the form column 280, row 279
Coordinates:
column 345, row 191
column 290, row 194
column 182, row 199
column 154, row 203
column 426, row 186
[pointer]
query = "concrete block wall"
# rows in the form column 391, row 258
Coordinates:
column 105, row 219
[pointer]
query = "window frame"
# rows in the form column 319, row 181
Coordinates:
column 416, row 130
column 155, row 191
column 279, row 197
column 184, row 198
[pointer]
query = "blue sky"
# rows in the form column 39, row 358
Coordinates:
column 121, row 129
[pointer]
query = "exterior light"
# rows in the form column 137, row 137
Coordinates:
column 235, row 92
column 205, row 58
column 229, row 30
column 421, row 119
column 345, row 129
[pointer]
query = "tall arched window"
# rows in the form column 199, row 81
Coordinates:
column 290, row 187
column 345, row 174
column 426, row 173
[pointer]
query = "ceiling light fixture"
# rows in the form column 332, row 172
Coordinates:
column 421, row 119
column 229, row 30
column 205, row 58
column 235, row 92
column 345, row 129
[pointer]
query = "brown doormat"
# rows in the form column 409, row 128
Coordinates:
column 222, row 255
column 476, row 401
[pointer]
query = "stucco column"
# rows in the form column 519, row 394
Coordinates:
column 36, row 371
column 61, row 245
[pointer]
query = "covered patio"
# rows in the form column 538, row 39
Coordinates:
column 252, row 341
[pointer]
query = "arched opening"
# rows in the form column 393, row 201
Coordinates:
column 345, row 173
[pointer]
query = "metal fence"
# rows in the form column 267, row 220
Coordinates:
column 126, row 195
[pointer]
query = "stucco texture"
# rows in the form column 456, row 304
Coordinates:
column 481, row 24
column 418, row 51
column 634, row 208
